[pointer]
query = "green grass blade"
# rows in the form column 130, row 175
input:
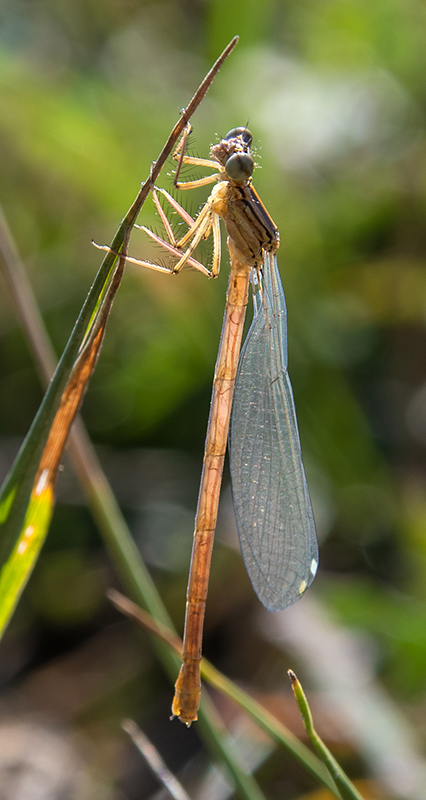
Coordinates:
column 19, row 565
column 41, row 454
column 345, row 786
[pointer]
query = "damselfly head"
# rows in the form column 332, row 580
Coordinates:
column 233, row 153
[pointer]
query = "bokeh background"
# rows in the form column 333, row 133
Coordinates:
column 335, row 95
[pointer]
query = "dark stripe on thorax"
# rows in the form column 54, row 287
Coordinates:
column 254, row 205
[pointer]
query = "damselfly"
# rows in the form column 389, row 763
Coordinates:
column 271, row 499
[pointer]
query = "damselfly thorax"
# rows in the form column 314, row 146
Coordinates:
column 234, row 199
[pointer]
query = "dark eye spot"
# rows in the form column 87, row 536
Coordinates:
column 239, row 167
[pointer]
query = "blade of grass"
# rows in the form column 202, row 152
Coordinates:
column 267, row 721
column 27, row 544
column 346, row 788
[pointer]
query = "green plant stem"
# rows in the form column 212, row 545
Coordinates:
column 346, row 788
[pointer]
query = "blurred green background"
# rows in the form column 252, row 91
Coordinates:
column 335, row 95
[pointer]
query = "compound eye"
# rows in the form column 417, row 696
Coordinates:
column 239, row 167
column 243, row 133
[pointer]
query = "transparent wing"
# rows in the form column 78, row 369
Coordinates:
column 271, row 499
